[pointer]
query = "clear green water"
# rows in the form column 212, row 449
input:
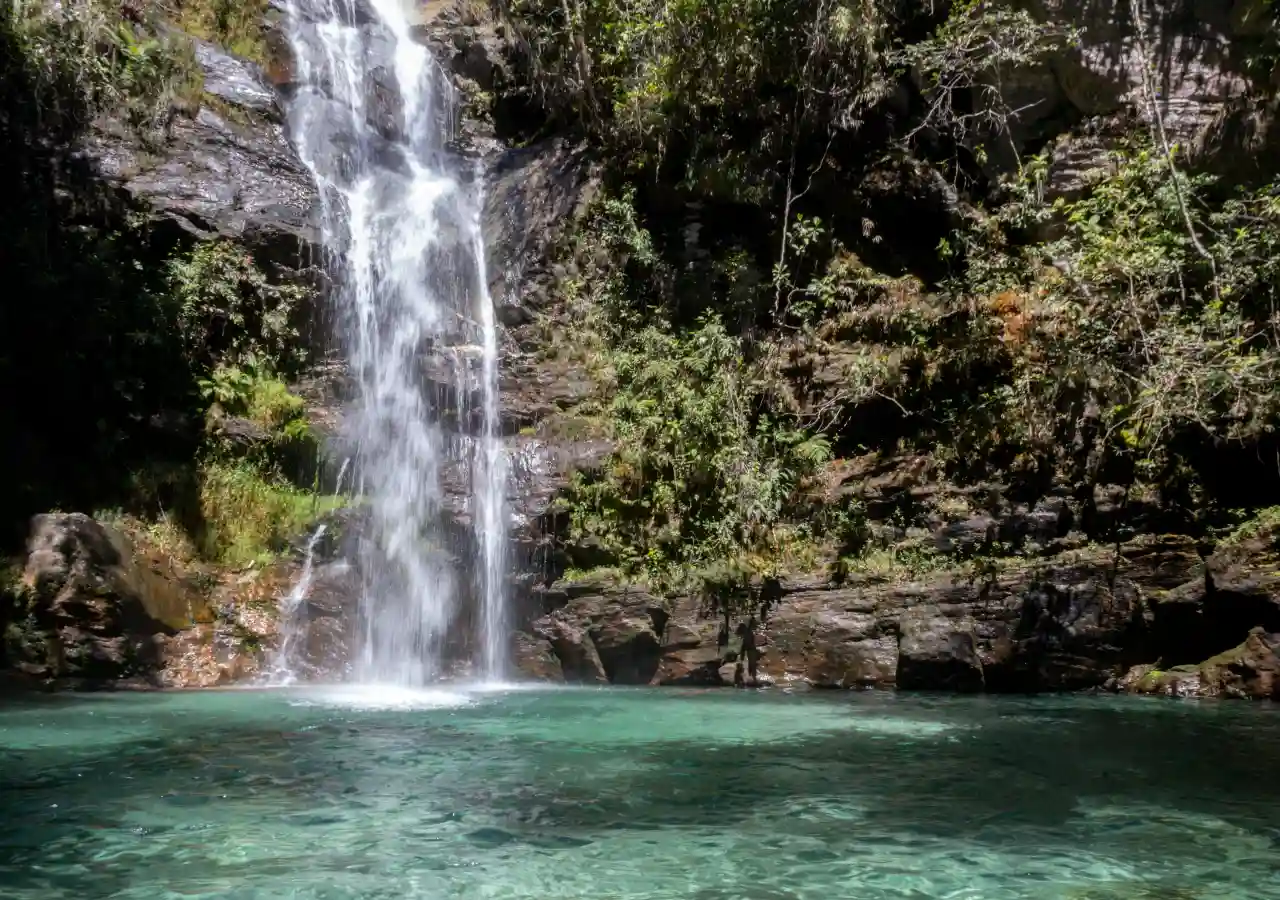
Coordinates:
column 620, row 795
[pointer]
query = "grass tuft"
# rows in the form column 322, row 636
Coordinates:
column 248, row 517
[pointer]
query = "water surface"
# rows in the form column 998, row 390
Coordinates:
column 622, row 795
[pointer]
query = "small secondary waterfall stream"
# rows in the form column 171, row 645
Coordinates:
column 370, row 115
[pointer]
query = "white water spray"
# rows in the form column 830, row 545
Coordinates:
column 370, row 116
column 293, row 619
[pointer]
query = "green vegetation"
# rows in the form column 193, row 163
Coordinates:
column 823, row 234
column 1131, row 314
column 697, row 475
column 249, row 506
column 228, row 310
column 249, row 515
column 103, row 62
column 130, row 348
column 1264, row 523
column 235, row 25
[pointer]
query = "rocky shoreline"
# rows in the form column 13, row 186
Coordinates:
column 1149, row 617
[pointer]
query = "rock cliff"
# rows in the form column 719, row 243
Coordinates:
column 1056, row 580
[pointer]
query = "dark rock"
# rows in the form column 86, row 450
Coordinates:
column 938, row 651
column 227, row 172
column 1219, row 601
column 690, row 666
column 1249, row 671
column 1161, row 561
column 1049, row 520
column 691, row 653
column 1075, row 621
column 1081, row 156
column 332, row 614
column 1076, row 628
column 531, row 195
column 467, row 43
column 90, row 611
column 853, row 655
column 240, row 432
column 572, row 645
column 608, row 632
column 1238, row 140
column 967, row 537
column 534, row 658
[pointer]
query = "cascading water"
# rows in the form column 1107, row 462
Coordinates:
column 370, row 115
column 284, row 667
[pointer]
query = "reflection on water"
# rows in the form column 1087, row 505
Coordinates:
column 635, row 794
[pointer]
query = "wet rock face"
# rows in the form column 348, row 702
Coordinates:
column 89, row 610
column 228, row 172
column 531, row 194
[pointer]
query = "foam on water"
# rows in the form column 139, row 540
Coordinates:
column 380, row 697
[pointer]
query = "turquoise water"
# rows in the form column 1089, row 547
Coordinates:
column 621, row 795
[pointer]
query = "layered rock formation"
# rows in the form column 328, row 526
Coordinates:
column 1139, row 617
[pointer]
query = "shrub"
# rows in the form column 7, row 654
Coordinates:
column 699, row 474
column 229, row 312
column 1127, row 319
column 114, row 64
column 235, row 25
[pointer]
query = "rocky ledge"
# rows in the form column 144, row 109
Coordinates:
column 93, row 607
column 1148, row 616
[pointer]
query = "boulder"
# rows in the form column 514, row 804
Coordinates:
column 691, row 652
column 967, row 537
column 573, row 647
column 88, row 610
column 864, row 663
column 604, row 631
column 534, row 659
column 1249, row 671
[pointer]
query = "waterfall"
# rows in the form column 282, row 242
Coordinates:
column 370, row 115
column 293, row 619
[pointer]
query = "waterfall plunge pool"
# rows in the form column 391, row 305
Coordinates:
column 616, row 794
